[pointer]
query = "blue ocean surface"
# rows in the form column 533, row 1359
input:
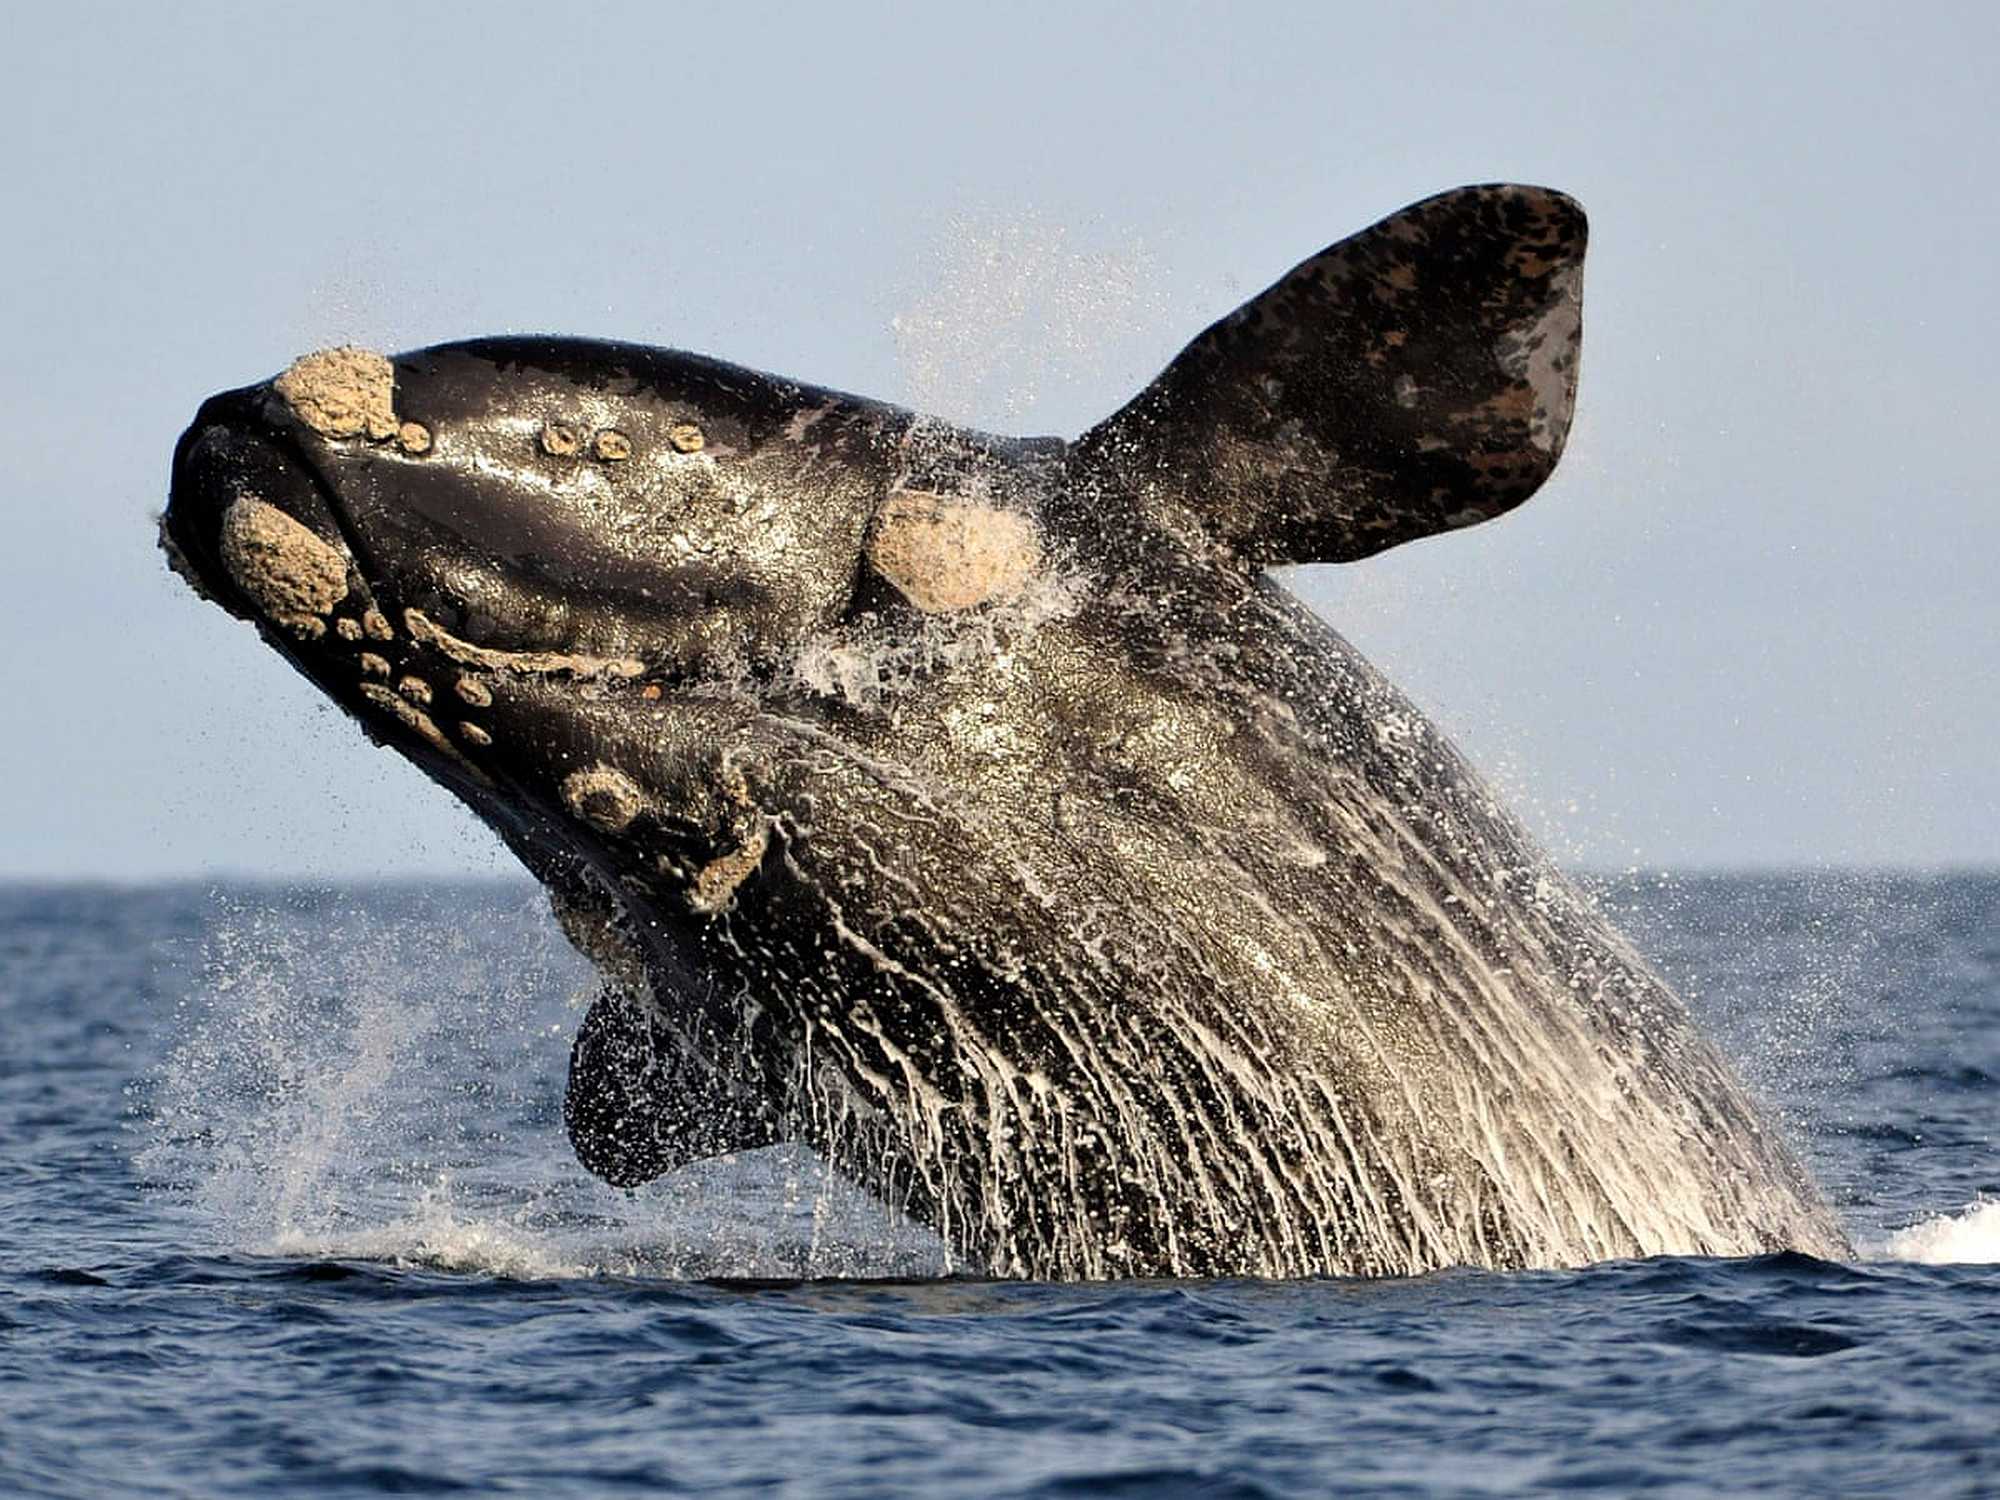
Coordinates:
column 287, row 1210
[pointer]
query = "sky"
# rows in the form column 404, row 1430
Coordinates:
column 1751, row 621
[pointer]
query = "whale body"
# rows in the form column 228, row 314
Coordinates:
column 978, row 811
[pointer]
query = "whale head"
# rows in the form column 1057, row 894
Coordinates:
column 502, row 554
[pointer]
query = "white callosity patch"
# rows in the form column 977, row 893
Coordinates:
column 347, row 393
column 945, row 555
column 716, row 881
column 422, row 725
column 604, row 797
column 341, row 393
column 291, row 573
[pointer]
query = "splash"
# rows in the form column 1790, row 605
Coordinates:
column 376, row 1075
column 358, row 292
column 337, row 1053
column 1969, row 1237
column 871, row 662
column 1015, row 310
column 440, row 1235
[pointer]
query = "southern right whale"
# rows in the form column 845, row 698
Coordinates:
column 979, row 811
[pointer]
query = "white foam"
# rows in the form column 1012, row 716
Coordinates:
column 1969, row 1237
column 438, row 1237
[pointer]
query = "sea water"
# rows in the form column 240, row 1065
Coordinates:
column 285, row 1209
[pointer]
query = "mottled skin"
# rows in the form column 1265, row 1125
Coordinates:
column 1123, row 922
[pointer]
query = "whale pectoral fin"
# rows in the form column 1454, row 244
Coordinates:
column 639, row 1105
column 1415, row 378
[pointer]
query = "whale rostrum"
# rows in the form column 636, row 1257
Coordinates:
column 978, row 811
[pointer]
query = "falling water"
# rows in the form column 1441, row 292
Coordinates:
column 377, row 1075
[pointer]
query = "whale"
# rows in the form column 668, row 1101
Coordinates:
column 980, row 812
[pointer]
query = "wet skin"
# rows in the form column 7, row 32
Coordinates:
column 977, row 811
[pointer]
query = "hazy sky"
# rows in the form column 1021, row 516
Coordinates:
column 1752, row 620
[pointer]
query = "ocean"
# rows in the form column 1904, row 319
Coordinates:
column 287, row 1210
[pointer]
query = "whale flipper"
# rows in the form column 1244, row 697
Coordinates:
column 638, row 1105
column 1416, row 377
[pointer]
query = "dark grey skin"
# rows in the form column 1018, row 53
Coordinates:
column 978, row 812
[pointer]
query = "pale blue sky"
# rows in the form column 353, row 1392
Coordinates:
column 1751, row 621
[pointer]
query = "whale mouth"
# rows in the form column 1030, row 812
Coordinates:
column 253, row 525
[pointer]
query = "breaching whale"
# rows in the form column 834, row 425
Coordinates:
column 979, row 812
